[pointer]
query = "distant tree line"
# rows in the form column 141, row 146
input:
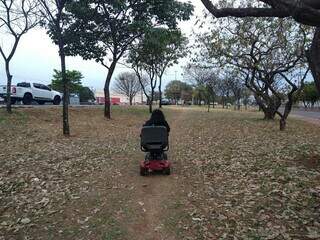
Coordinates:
column 308, row 95
column 205, row 87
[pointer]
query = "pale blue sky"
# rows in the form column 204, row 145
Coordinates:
column 37, row 56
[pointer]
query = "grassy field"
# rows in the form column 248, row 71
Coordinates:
column 235, row 176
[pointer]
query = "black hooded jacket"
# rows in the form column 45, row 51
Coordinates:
column 157, row 119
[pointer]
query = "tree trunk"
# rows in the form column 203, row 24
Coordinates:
column 65, row 108
column 314, row 58
column 287, row 109
column 160, row 93
column 150, row 104
column 9, row 80
column 269, row 111
column 213, row 100
column 305, row 105
column 160, row 98
column 151, row 100
column 269, row 114
column 130, row 100
column 107, row 102
column 282, row 124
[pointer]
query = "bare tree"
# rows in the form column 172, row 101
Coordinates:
column 127, row 84
column 54, row 12
column 205, row 79
column 303, row 11
column 234, row 82
column 142, row 78
column 17, row 17
column 267, row 54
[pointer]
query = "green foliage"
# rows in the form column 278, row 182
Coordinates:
column 203, row 93
column 104, row 30
column 74, row 84
column 177, row 90
column 159, row 49
column 106, row 27
column 73, row 77
column 86, row 95
column 309, row 94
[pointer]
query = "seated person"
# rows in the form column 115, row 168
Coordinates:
column 157, row 119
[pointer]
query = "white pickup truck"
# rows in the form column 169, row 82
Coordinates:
column 28, row 92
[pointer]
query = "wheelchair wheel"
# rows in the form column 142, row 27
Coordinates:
column 143, row 171
column 167, row 171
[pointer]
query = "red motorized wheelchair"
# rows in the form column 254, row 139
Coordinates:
column 155, row 142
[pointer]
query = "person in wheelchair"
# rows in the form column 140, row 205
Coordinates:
column 157, row 119
column 154, row 136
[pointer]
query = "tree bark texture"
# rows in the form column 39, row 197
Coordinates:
column 314, row 58
column 9, row 81
column 65, row 108
column 107, row 102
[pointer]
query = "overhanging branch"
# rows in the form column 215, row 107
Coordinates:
column 244, row 12
column 306, row 12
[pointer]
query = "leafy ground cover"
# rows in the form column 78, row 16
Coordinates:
column 234, row 177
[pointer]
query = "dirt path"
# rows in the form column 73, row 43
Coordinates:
column 155, row 193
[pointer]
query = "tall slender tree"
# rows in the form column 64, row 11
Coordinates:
column 170, row 46
column 54, row 13
column 157, row 49
column 17, row 17
column 143, row 60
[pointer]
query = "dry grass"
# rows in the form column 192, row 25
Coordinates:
column 234, row 176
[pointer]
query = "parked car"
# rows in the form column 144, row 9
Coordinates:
column 28, row 92
column 165, row 102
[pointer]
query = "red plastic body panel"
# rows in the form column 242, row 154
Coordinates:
column 155, row 165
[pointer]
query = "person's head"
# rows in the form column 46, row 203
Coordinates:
column 157, row 115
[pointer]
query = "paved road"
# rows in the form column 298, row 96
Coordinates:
column 309, row 114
